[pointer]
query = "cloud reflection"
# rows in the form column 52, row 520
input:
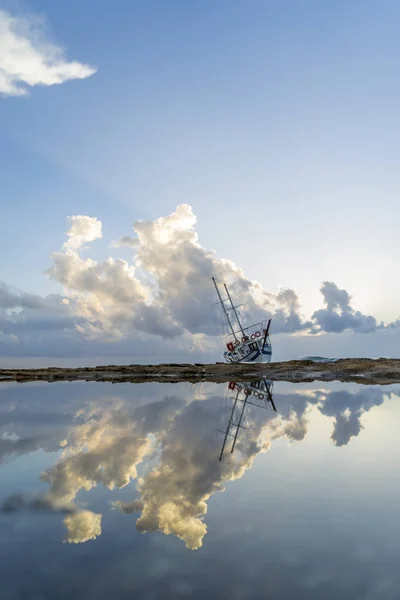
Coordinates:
column 347, row 409
column 175, row 439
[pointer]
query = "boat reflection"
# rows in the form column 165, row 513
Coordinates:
column 255, row 393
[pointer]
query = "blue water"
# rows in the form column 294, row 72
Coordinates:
column 117, row 491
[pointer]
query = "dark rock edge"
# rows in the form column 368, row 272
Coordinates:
column 383, row 371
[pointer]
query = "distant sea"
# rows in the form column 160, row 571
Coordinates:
column 321, row 359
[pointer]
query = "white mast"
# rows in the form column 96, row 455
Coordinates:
column 224, row 309
column 236, row 420
column 234, row 311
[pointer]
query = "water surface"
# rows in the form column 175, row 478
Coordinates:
column 123, row 491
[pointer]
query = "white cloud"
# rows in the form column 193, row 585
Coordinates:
column 10, row 298
column 82, row 526
column 174, row 297
column 125, row 241
column 339, row 315
column 164, row 290
column 27, row 58
column 82, row 230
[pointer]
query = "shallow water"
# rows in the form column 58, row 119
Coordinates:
column 117, row 491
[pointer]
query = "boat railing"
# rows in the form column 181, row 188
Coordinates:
column 250, row 333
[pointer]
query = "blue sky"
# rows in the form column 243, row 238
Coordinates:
column 277, row 123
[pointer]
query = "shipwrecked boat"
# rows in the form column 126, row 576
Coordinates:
column 243, row 344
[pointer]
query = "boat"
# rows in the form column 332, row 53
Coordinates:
column 243, row 344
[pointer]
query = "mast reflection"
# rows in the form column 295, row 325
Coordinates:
column 256, row 393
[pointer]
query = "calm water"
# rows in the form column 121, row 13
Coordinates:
column 117, row 491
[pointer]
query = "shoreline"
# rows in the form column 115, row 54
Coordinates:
column 383, row 371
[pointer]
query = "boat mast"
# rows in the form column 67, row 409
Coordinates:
column 224, row 309
column 230, row 423
column 237, row 422
column 234, row 310
column 266, row 334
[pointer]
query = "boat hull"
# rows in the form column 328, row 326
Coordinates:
column 264, row 357
column 261, row 355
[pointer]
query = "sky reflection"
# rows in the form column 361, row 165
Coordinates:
column 112, row 461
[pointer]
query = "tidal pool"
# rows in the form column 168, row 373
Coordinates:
column 133, row 491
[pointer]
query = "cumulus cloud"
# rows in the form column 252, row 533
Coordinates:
column 11, row 447
column 168, row 249
column 128, row 507
column 164, row 290
column 339, row 315
column 10, row 298
column 107, row 294
column 82, row 526
column 29, row 322
column 125, row 241
column 41, row 504
column 82, row 229
column 175, row 297
column 27, row 58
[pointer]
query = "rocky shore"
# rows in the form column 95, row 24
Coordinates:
column 361, row 370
